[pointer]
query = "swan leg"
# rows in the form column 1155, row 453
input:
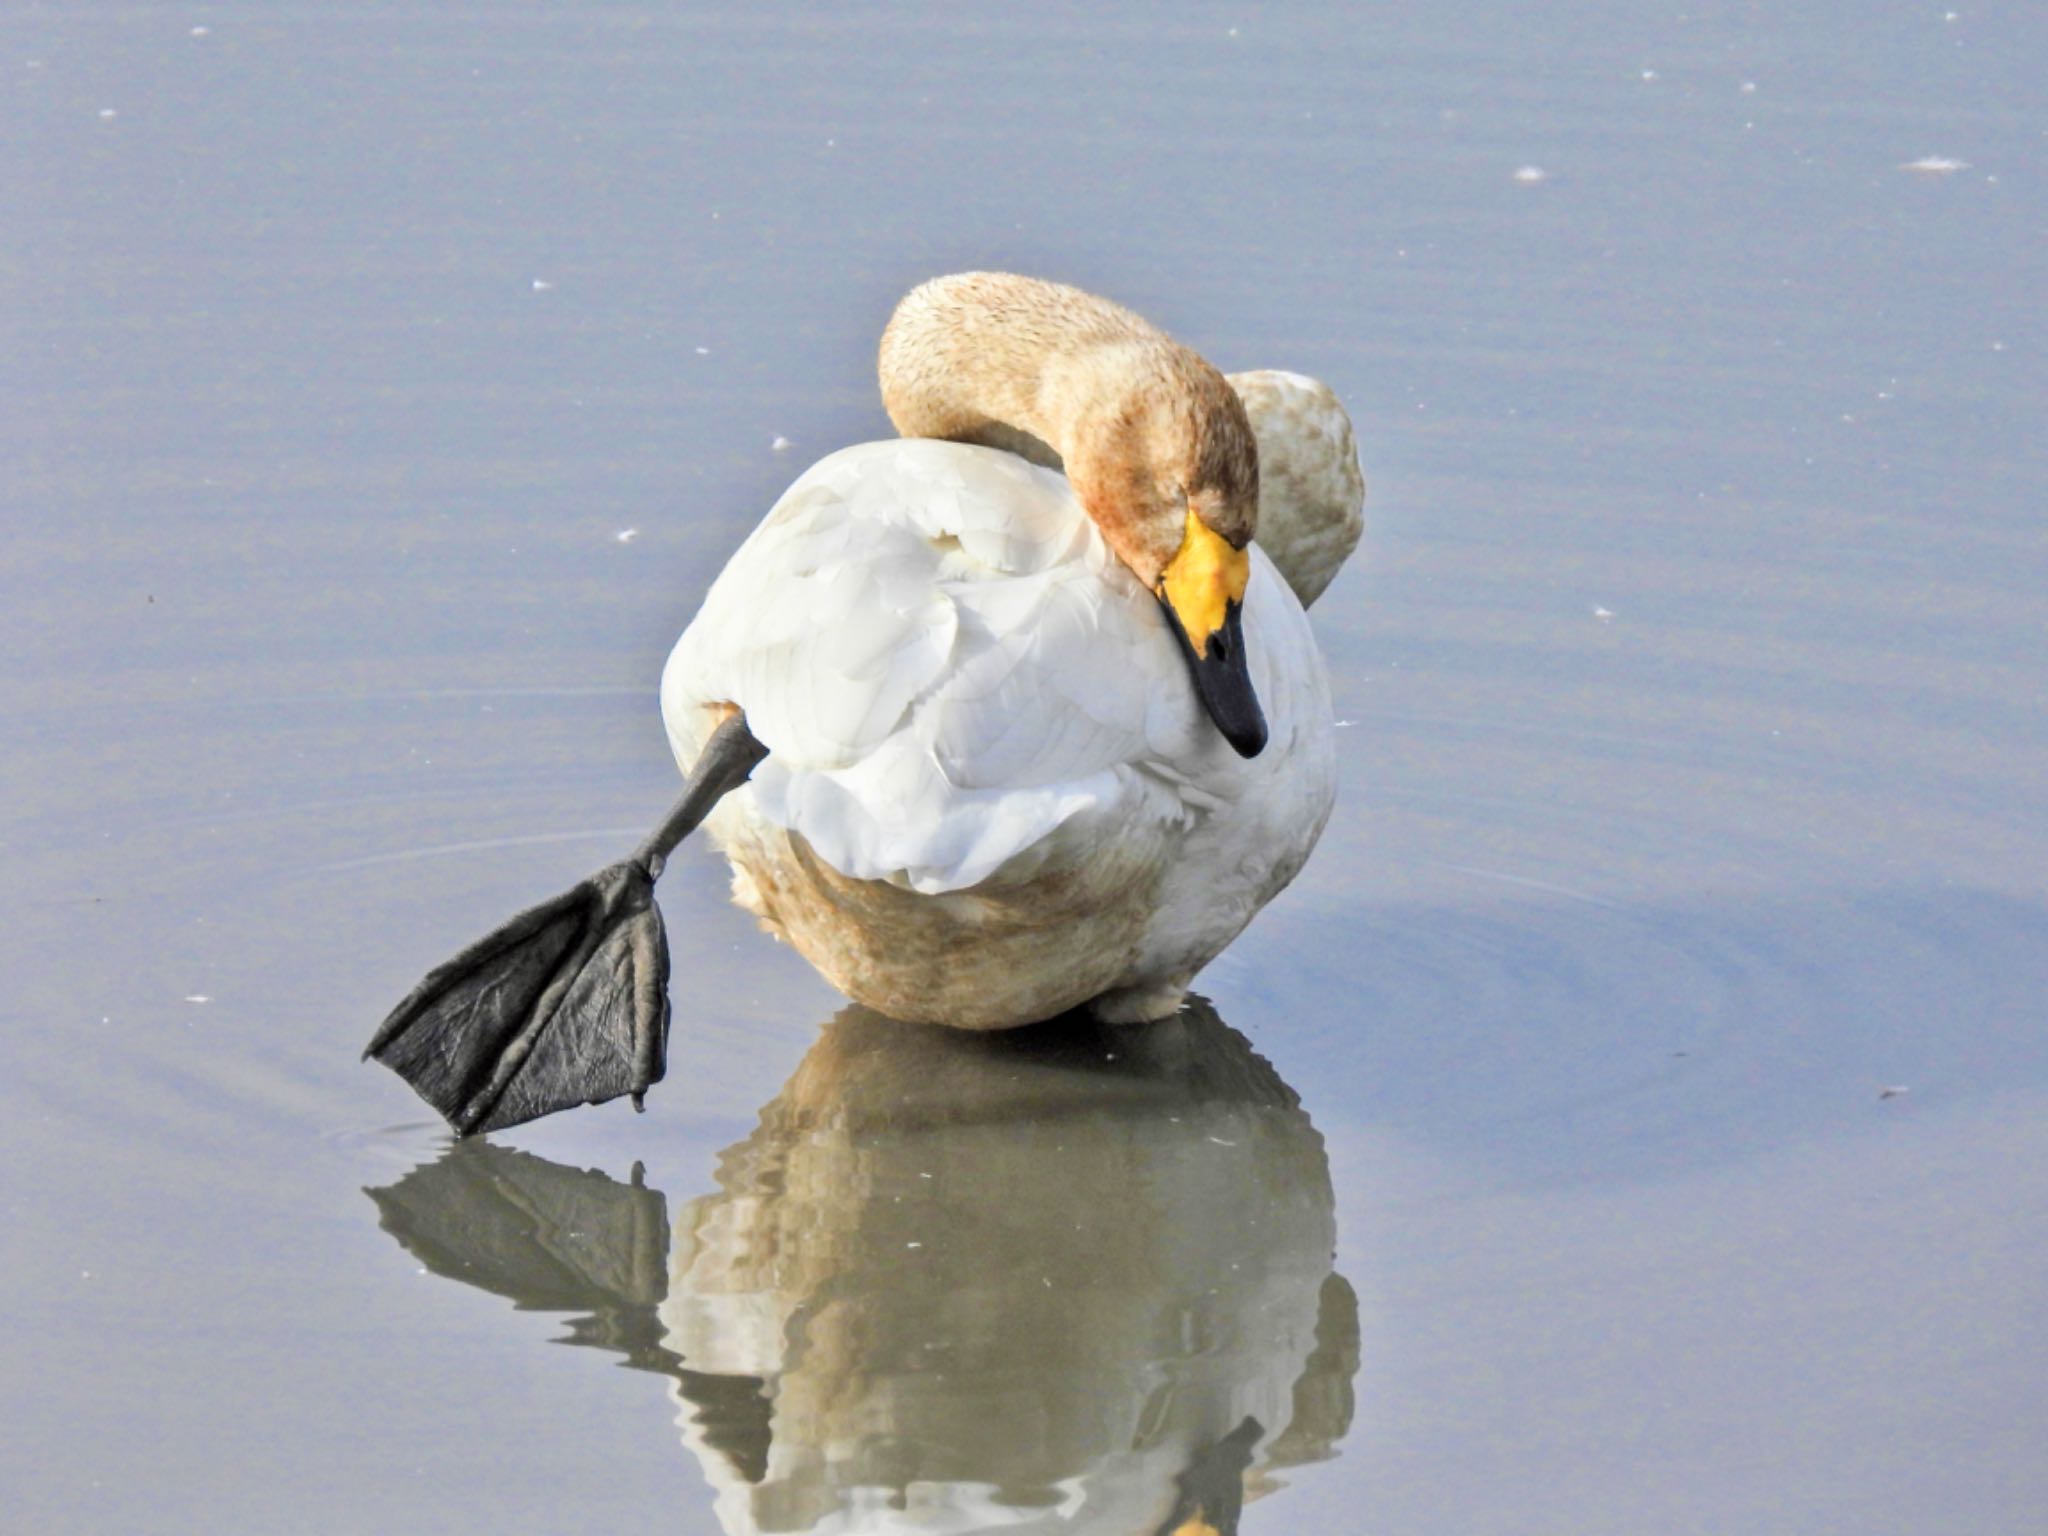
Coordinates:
column 567, row 1003
column 1142, row 1003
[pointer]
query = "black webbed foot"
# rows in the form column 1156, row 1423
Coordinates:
column 566, row 1004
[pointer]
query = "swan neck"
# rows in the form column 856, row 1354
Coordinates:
column 984, row 356
column 1146, row 431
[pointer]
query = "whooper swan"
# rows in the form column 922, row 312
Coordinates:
column 1030, row 719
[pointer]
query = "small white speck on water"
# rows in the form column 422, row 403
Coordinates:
column 1604, row 615
column 1529, row 175
column 1221, row 1142
column 781, row 444
column 1231, row 32
column 1895, row 1091
column 913, row 1245
column 108, row 112
column 703, row 351
column 85, row 1274
column 627, row 535
column 421, row 1270
column 201, row 31
column 542, row 285
column 198, row 997
column 1749, row 87
column 1344, row 725
column 1998, row 346
column 1649, row 74
column 1935, row 165
column 924, row 1175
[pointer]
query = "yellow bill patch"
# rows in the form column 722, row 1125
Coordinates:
column 1202, row 580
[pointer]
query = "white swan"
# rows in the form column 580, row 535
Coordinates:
column 1019, row 740
column 998, row 785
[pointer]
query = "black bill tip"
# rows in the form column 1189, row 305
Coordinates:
column 1223, row 681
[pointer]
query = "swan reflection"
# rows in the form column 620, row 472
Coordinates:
column 1066, row 1278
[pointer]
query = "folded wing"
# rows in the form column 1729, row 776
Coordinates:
column 945, row 662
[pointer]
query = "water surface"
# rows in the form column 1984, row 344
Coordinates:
column 1661, row 1018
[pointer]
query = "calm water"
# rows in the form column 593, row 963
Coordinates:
column 1657, row 1038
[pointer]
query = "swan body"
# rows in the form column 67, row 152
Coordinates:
column 991, row 792
column 1030, row 722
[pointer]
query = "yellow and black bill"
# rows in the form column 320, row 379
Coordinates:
column 1202, row 591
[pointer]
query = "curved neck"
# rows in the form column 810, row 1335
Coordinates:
column 987, row 350
column 1145, row 429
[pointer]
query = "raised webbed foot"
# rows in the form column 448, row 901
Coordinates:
column 566, row 1004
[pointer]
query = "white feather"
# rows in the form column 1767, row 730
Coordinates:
column 957, row 682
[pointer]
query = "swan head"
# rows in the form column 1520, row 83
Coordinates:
column 1168, row 468
column 1154, row 441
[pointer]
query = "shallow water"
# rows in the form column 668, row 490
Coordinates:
column 1664, row 1005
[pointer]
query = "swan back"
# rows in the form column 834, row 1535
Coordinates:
column 1311, row 490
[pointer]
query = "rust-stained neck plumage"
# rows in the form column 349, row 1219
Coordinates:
column 1146, row 430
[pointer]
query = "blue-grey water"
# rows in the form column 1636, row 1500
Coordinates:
column 1636, row 1117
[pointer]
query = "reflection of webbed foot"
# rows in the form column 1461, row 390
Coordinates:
column 550, row 1238
column 571, row 1240
column 566, row 1004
